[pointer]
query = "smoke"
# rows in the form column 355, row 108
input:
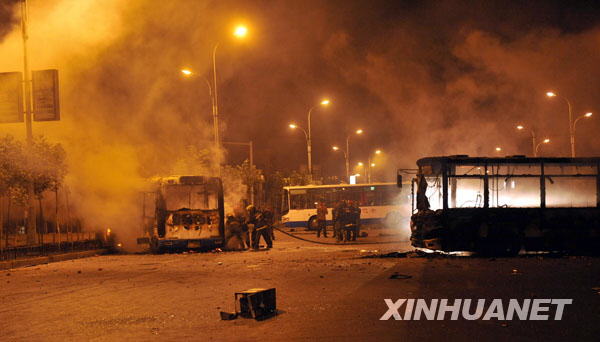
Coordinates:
column 425, row 78
column 126, row 112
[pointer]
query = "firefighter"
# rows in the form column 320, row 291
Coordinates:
column 270, row 220
column 341, row 219
column 235, row 228
column 322, row 219
column 260, row 227
column 354, row 217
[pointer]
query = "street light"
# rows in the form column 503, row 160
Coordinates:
column 335, row 149
column 533, row 145
column 586, row 115
column 189, row 73
column 371, row 165
column 498, row 149
column 571, row 125
column 347, row 154
column 545, row 141
column 324, row 102
column 308, row 147
column 239, row 32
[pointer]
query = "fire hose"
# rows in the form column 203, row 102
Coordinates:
column 334, row 243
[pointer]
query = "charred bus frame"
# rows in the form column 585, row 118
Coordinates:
column 506, row 228
column 183, row 212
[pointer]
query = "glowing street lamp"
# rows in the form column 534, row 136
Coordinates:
column 586, row 115
column 347, row 154
column 571, row 124
column 324, row 103
column 372, row 165
column 189, row 73
column 545, row 141
column 498, row 149
column 533, row 144
column 239, row 32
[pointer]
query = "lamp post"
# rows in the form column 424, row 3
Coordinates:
column 533, row 144
column 364, row 169
column 239, row 32
column 189, row 73
column 324, row 102
column 571, row 125
column 308, row 147
column 336, row 148
column 586, row 115
column 358, row 132
column 545, row 141
column 371, row 165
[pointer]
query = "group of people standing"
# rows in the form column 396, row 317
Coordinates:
column 250, row 226
column 346, row 220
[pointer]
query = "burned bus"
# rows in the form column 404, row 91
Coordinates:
column 502, row 205
column 183, row 212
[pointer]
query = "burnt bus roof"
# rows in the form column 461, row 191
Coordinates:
column 466, row 160
column 186, row 180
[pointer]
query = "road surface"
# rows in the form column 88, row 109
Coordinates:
column 323, row 292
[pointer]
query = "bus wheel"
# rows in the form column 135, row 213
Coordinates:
column 312, row 223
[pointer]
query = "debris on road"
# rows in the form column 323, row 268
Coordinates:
column 228, row 316
column 256, row 303
column 397, row 275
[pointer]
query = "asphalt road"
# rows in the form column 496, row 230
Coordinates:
column 323, row 292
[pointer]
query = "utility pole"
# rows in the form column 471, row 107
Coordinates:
column 30, row 212
column 216, row 110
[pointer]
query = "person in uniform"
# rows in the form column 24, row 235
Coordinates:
column 341, row 219
column 269, row 217
column 322, row 219
column 260, row 227
column 234, row 227
column 354, row 213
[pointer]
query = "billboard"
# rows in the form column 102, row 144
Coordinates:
column 45, row 95
column 11, row 97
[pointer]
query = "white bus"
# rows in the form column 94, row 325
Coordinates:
column 379, row 203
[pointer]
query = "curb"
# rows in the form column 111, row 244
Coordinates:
column 17, row 263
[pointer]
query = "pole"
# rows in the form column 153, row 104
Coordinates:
column 347, row 155
column 56, row 222
column 216, row 111
column 30, row 212
column 251, row 151
column 571, row 133
column 369, row 173
column 533, row 143
column 309, row 145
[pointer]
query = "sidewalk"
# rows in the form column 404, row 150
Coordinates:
column 32, row 261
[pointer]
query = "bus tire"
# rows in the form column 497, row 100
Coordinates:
column 312, row 223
